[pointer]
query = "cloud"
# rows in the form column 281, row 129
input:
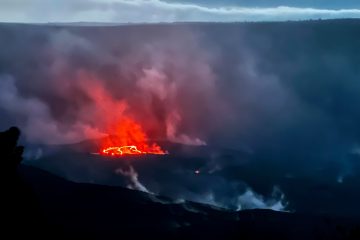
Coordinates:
column 137, row 11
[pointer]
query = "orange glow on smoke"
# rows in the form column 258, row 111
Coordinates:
column 129, row 139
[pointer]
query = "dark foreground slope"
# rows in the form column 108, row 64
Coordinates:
column 38, row 204
column 100, row 212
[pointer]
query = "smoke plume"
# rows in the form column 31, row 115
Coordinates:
column 88, row 87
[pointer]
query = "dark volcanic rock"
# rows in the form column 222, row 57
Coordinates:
column 103, row 212
column 41, row 205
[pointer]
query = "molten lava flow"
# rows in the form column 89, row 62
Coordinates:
column 121, row 150
column 130, row 139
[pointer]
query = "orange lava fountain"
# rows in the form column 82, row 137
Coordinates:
column 130, row 140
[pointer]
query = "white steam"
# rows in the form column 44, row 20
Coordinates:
column 242, row 201
column 252, row 200
column 133, row 179
column 247, row 200
column 32, row 154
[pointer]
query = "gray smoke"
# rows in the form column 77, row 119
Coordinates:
column 90, row 86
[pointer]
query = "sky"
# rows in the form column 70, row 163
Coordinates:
column 150, row 11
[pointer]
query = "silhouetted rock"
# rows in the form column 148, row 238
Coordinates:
column 89, row 211
column 10, row 153
column 20, row 213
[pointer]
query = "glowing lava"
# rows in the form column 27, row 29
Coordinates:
column 130, row 140
column 121, row 150
column 129, row 150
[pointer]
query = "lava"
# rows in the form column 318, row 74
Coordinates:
column 130, row 139
column 121, row 150
column 129, row 150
